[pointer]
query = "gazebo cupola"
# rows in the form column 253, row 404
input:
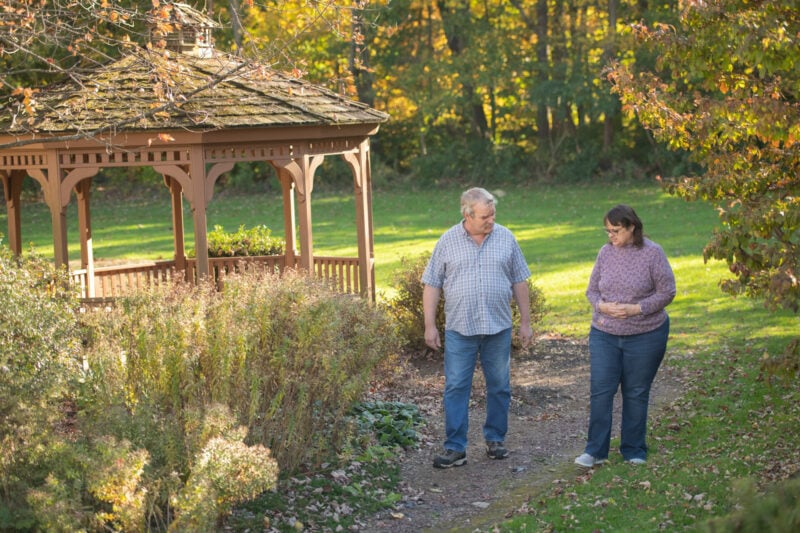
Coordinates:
column 187, row 31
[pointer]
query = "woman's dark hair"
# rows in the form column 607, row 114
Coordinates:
column 625, row 216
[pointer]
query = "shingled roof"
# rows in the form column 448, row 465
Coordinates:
column 125, row 93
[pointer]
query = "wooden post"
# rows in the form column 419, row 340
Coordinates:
column 12, row 187
column 176, row 193
column 199, row 203
column 289, row 217
column 359, row 164
column 82, row 191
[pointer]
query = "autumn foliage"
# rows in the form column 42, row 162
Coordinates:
column 726, row 90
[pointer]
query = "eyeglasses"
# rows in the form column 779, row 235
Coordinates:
column 614, row 232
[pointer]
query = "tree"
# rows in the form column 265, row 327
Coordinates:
column 47, row 42
column 44, row 43
column 504, row 88
column 727, row 90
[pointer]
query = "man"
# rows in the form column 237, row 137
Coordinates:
column 480, row 267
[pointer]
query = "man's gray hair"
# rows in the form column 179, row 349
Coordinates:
column 474, row 196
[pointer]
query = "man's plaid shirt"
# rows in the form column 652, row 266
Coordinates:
column 476, row 280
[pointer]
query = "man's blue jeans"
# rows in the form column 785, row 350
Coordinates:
column 460, row 357
column 629, row 362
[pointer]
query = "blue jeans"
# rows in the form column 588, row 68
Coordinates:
column 460, row 357
column 629, row 362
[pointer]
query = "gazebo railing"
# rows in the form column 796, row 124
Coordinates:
column 341, row 272
column 219, row 267
column 111, row 281
column 115, row 281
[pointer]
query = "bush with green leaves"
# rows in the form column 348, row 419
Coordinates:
column 40, row 361
column 178, row 403
column 538, row 309
column 406, row 305
column 776, row 510
column 301, row 354
column 391, row 423
column 243, row 242
column 225, row 472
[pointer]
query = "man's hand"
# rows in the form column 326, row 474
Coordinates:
column 430, row 302
column 525, row 335
column 432, row 338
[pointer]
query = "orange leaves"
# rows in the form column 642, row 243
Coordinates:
column 27, row 95
column 163, row 137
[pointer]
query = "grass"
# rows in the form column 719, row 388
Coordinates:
column 731, row 425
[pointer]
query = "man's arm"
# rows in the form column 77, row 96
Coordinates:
column 522, row 297
column 430, row 302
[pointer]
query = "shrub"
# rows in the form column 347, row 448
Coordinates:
column 299, row 356
column 244, row 242
column 39, row 362
column 188, row 402
column 777, row 510
column 538, row 310
column 225, row 472
column 114, row 476
column 258, row 375
column 406, row 305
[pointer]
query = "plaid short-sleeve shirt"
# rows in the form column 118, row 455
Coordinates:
column 476, row 280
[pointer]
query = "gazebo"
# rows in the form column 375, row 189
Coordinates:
column 191, row 114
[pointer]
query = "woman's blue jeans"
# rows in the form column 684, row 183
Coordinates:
column 628, row 362
column 460, row 357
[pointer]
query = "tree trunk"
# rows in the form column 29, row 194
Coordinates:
column 359, row 60
column 542, row 43
column 456, row 21
column 612, row 114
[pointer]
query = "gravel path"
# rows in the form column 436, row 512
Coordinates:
column 547, row 425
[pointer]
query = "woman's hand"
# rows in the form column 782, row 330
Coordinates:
column 617, row 310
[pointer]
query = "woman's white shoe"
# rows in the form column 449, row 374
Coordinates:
column 588, row 461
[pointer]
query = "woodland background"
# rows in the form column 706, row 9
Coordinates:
column 478, row 92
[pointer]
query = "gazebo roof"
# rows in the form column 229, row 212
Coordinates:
column 125, row 92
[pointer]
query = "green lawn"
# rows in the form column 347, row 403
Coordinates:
column 730, row 425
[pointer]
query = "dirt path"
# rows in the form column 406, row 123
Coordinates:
column 547, row 426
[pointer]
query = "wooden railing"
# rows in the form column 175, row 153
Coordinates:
column 341, row 272
column 219, row 267
column 115, row 281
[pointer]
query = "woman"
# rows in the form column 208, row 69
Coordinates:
column 630, row 285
